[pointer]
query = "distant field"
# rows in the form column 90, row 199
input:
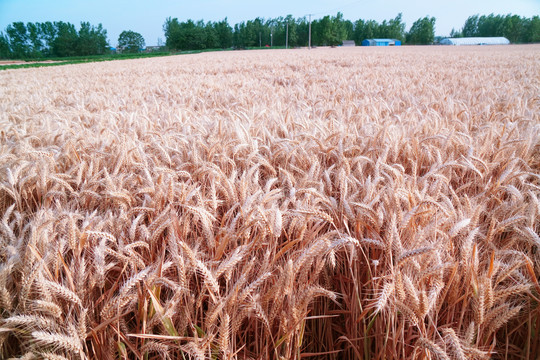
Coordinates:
column 348, row 203
column 35, row 63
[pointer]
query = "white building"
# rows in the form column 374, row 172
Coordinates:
column 475, row 41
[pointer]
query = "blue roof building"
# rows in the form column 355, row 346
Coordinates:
column 381, row 42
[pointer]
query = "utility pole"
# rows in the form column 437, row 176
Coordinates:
column 271, row 37
column 309, row 41
column 260, row 43
column 287, row 37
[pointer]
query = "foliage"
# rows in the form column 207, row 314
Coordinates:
column 369, row 29
column 91, row 40
column 456, row 33
column 61, row 39
column 18, row 37
column 533, row 30
column 393, row 29
column 190, row 35
column 65, row 43
column 130, row 41
column 4, row 46
column 330, row 30
column 470, row 29
column 515, row 28
column 422, row 32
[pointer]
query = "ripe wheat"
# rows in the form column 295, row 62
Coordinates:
column 332, row 203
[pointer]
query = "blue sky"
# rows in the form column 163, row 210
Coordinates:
column 147, row 16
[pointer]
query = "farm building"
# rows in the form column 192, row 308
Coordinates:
column 475, row 41
column 348, row 43
column 381, row 42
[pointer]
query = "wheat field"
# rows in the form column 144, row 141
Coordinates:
column 350, row 203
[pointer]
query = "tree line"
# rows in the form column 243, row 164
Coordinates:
column 513, row 27
column 332, row 30
column 280, row 31
column 61, row 39
column 52, row 39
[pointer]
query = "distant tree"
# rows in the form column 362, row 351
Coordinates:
column 455, row 33
column 470, row 29
column 35, row 39
column 348, row 27
column 491, row 25
column 192, row 36
column 238, row 35
column 514, row 28
column 92, row 40
column 224, row 34
column 532, row 29
column 365, row 30
column 281, row 34
column 48, row 33
column 303, row 31
column 5, row 52
column 396, row 28
column 210, row 36
column 65, row 42
column 339, row 30
column 54, row 39
column 171, row 28
column 130, row 41
column 329, row 30
column 256, row 33
column 422, row 31
column 321, row 31
column 19, row 41
column 186, row 35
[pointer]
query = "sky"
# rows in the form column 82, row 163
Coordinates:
column 147, row 16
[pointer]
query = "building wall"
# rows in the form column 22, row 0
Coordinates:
column 381, row 42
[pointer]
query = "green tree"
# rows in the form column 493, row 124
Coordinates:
column 92, row 40
column 303, row 31
column 392, row 29
column 5, row 52
column 532, row 29
column 130, row 41
column 210, row 36
column 171, row 28
column 238, row 35
column 65, row 42
column 491, row 25
column 338, row 30
column 422, row 31
column 224, row 34
column 329, row 30
column 35, row 39
column 514, row 28
column 48, row 34
column 186, row 35
column 293, row 30
column 365, row 30
column 455, row 33
column 396, row 28
column 18, row 40
column 348, row 27
column 470, row 29
column 192, row 35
